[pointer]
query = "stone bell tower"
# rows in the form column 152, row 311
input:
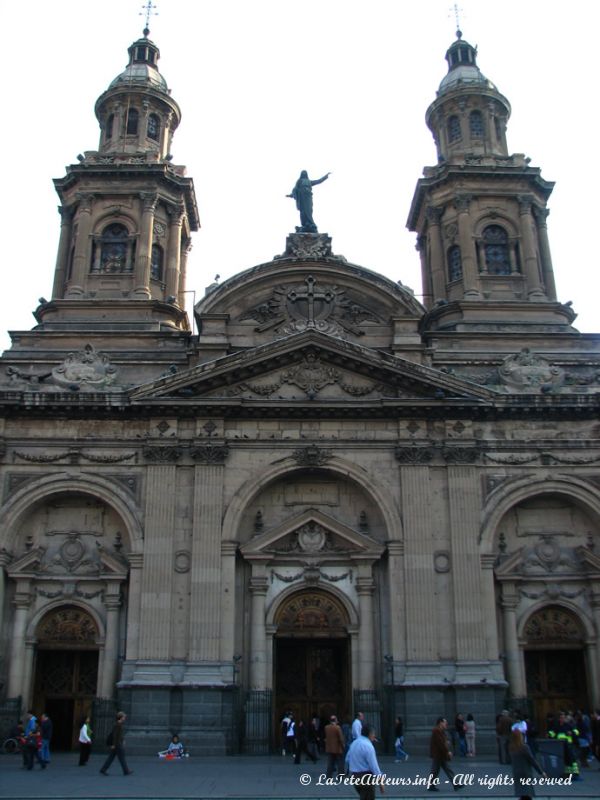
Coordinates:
column 480, row 214
column 127, row 213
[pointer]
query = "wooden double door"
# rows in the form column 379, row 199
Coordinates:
column 65, row 686
column 312, row 677
column 556, row 681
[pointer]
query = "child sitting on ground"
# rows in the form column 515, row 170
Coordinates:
column 174, row 750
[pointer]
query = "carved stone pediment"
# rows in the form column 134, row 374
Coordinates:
column 311, row 536
column 72, row 556
column 312, row 365
column 548, row 558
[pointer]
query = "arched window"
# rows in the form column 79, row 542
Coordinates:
column 153, row 127
column 454, row 134
column 156, row 263
column 109, row 127
column 454, row 263
column 476, row 124
column 115, row 250
column 495, row 245
column 132, row 122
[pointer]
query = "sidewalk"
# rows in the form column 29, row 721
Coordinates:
column 251, row 777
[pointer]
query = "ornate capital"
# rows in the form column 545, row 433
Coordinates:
column 85, row 202
column 162, row 454
column 434, row 214
column 460, row 455
column 541, row 215
column 66, row 215
column 525, row 204
column 462, row 202
column 414, row 454
column 149, row 201
column 210, row 453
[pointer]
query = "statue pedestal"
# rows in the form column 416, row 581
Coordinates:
column 307, row 246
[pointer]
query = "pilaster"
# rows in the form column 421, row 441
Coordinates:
column 22, row 602
column 112, row 604
column 136, row 561
column 365, row 587
column 174, row 252
column 155, row 621
column 534, row 286
column 462, row 203
column 81, row 254
column 421, row 633
column 62, row 256
column 437, row 260
column 205, row 600
column 258, row 640
column 143, row 258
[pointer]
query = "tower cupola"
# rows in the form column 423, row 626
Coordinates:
column 137, row 114
column 469, row 115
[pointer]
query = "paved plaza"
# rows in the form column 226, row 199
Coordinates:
column 247, row 777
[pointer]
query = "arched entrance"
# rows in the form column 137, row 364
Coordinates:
column 554, row 662
column 312, row 672
column 66, row 671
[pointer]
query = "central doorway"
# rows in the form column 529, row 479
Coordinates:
column 312, row 659
column 66, row 672
column 312, row 678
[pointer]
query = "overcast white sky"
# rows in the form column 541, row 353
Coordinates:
column 271, row 87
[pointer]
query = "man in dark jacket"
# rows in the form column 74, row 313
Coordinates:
column 116, row 743
column 440, row 755
column 46, row 731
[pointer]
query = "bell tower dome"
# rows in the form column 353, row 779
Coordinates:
column 480, row 213
column 127, row 211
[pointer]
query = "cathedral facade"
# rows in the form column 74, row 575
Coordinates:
column 333, row 497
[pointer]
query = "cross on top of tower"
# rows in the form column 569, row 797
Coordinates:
column 456, row 10
column 148, row 10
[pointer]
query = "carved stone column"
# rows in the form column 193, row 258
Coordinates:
column 468, row 255
column 464, row 504
column 185, row 251
column 594, row 653
column 258, row 640
column 62, row 256
column 437, row 260
column 541, row 215
column 136, row 561
column 81, row 257
column 143, row 258
column 174, row 252
column 228, row 555
column 155, row 621
column 397, row 600
column 488, row 603
column 112, row 604
column 205, row 580
column 514, row 669
column 365, row 586
column 420, row 610
column 4, row 560
column 532, row 273
column 22, row 601
column 421, row 248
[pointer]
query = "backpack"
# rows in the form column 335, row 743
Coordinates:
column 109, row 739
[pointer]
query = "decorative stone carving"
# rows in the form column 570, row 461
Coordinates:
column 460, row 455
column 312, row 611
column 414, row 454
column 308, row 247
column 162, row 454
column 67, row 626
column 210, row 453
column 311, row 456
column 553, row 625
column 311, row 305
column 527, row 371
column 311, row 375
column 547, row 555
column 441, row 561
column 85, row 370
column 311, row 537
column 182, row 561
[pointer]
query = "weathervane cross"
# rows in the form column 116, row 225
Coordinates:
column 148, row 10
column 456, row 10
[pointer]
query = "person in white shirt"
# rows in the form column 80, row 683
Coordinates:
column 357, row 725
column 361, row 763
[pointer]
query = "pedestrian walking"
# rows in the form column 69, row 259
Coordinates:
column 46, row 731
column 470, row 735
column 85, row 742
column 116, row 743
column 523, row 764
column 334, row 747
column 362, row 764
column 33, row 747
column 401, row 754
column 302, row 743
column 440, row 755
column 357, row 725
